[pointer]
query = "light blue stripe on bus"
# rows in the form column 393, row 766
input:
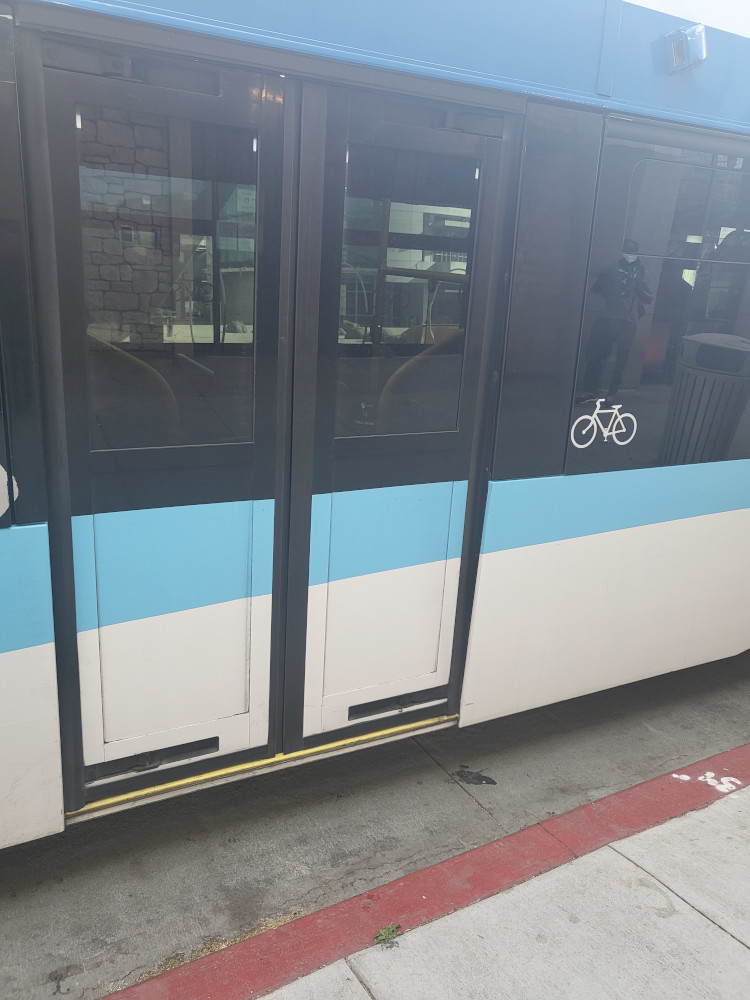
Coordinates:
column 262, row 551
column 138, row 564
column 25, row 595
column 84, row 567
column 531, row 511
column 143, row 563
column 370, row 531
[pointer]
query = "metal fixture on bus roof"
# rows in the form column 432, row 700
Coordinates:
column 686, row 47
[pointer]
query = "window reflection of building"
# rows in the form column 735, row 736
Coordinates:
column 406, row 264
column 168, row 225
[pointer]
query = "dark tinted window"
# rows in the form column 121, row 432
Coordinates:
column 405, row 270
column 169, row 220
column 686, row 210
column 561, row 155
column 664, row 368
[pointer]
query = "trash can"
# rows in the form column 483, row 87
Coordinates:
column 709, row 394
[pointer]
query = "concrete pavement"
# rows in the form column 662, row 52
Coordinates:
column 256, row 966
column 112, row 900
column 662, row 914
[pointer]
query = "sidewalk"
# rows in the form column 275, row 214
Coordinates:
column 611, row 913
column 665, row 913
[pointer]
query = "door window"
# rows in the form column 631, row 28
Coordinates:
column 168, row 213
column 405, row 270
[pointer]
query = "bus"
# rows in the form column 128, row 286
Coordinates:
column 363, row 372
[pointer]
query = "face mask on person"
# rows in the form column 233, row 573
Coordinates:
column 631, row 258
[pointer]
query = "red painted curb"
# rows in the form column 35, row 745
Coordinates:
column 270, row 960
column 616, row 816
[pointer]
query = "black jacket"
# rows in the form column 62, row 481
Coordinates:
column 625, row 291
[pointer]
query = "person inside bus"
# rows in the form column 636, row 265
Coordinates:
column 626, row 294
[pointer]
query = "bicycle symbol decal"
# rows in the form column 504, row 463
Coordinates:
column 621, row 426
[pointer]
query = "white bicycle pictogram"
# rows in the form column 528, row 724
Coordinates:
column 621, row 427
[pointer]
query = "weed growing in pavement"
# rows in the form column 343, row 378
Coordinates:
column 388, row 933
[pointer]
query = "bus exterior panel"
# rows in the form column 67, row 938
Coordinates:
column 31, row 773
column 606, row 53
column 587, row 582
column 166, row 586
column 30, row 778
column 405, row 378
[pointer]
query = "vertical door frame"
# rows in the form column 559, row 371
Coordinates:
column 497, row 237
column 309, row 205
column 46, row 306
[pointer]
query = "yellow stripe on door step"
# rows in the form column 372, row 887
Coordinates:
column 254, row 765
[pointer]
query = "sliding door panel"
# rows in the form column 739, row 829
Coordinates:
column 168, row 214
column 399, row 345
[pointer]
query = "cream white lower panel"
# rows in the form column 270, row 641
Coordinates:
column 562, row 619
column 315, row 658
column 90, row 679
column 377, row 636
column 30, row 774
column 89, row 667
column 235, row 732
column 176, row 670
column 260, row 668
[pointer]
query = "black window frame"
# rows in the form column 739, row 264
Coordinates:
column 21, row 446
column 136, row 478
column 377, row 460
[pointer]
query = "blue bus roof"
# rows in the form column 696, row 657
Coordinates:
column 610, row 53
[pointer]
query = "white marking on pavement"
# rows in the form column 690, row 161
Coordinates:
column 720, row 784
